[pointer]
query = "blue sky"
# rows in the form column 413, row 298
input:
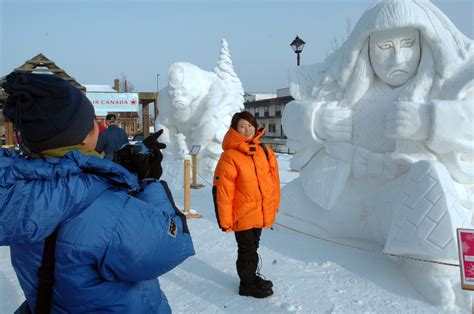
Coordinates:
column 97, row 41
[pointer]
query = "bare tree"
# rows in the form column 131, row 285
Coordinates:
column 348, row 27
column 125, row 85
column 335, row 42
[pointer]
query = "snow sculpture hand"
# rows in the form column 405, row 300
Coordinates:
column 409, row 121
column 335, row 123
column 389, row 165
column 180, row 139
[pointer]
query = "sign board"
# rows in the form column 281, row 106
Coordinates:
column 114, row 102
column 195, row 150
column 466, row 257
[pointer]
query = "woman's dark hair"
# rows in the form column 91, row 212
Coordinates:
column 246, row 116
column 111, row 117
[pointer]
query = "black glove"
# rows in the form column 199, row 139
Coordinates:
column 152, row 141
column 154, row 167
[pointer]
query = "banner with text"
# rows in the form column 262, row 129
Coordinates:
column 114, row 102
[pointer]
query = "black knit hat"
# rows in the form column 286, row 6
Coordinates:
column 47, row 110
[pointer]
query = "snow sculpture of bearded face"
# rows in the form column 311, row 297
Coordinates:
column 196, row 107
column 395, row 54
column 184, row 91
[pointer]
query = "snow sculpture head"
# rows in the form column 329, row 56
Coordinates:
column 188, row 84
column 352, row 69
column 395, row 54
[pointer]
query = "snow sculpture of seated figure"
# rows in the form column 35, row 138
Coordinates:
column 384, row 139
column 199, row 105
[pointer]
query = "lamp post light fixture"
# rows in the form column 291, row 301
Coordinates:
column 297, row 44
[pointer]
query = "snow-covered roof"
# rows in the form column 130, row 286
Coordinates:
column 100, row 88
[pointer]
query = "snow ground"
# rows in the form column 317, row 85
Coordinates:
column 309, row 275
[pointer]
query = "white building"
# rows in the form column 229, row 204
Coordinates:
column 257, row 96
column 268, row 112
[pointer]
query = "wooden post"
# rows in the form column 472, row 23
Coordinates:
column 193, row 153
column 194, row 184
column 155, row 106
column 187, row 190
column 145, row 100
column 194, row 165
column 146, row 120
column 187, row 193
column 8, row 132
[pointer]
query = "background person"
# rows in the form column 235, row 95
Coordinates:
column 111, row 244
column 101, row 124
column 112, row 138
column 247, row 196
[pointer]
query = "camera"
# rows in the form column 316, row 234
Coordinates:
column 143, row 158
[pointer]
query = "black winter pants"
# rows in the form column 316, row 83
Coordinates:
column 247, row 257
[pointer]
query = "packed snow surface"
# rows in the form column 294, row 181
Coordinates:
column 309, row 275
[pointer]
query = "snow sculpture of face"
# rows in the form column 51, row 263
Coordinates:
column 184, row 92
column 395, row 54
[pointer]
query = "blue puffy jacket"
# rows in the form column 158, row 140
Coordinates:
column 110, row 247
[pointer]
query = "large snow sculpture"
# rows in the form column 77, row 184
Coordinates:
column 384, row 139
column 196, row 108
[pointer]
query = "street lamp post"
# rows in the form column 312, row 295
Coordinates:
column 297, row 44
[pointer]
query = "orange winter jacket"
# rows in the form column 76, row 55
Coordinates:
column 246, row 186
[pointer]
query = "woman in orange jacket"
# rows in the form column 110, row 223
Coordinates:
column 246, row 192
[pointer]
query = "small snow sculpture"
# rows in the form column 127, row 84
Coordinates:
column 384, row 139
column 199, row 105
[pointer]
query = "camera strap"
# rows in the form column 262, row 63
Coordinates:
column 44, row 294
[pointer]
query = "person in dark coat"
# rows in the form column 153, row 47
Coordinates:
column 115, row 235
column 112, row 138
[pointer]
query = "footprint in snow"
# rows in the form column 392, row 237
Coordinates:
column 290, row 307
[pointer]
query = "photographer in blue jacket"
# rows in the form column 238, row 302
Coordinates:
column 85, row 234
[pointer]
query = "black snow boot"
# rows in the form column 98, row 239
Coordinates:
column 263, row 283
column 250, row 289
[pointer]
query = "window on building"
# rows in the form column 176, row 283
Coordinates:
column 271, row 128
column 278, row 110
column 266, row 111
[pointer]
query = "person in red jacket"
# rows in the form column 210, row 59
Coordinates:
column 246, row 193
